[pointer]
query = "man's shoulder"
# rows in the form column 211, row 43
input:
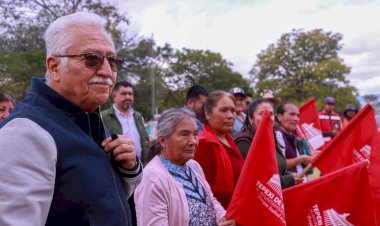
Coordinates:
column 137, row 114
column 107, row 111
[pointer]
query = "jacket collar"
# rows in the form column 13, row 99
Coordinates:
column 89, row 122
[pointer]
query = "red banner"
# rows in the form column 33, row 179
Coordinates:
column 257, row 199
column 309, row 127
column 339, row 198
column 358, row 141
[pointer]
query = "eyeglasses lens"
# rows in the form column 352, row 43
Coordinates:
column 96, row 60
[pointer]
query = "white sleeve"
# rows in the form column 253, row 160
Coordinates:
column 131, row 178
column 28, row 157
column 281, row 141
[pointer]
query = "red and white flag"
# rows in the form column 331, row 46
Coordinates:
column 358, row 141
column 257, row 199
column 309, row 127
column 339, row 198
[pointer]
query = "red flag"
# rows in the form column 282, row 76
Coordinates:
column 257, row 199
column 309, row 127
column 339, row 198
column 358, row 141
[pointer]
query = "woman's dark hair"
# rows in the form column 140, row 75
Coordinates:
column 252, row 108
column 6, row 97
column 212, row 100
column 153, row 149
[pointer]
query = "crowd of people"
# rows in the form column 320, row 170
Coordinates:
column 67, row 163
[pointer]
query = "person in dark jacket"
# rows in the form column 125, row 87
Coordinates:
column 59, row 165
column 243, row 139
column 121, row 118
column 296, row 150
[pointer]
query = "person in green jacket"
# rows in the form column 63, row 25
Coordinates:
column 121, row 118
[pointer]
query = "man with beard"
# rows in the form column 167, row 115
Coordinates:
column 121, row 118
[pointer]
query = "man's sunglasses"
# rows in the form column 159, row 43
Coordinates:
column 95, row 60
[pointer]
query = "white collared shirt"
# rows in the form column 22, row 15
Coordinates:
column 129, row 128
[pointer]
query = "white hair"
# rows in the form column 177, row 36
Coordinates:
column 170, row 118
column 58, row 39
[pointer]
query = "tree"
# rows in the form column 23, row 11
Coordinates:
column 24, row 21
column 17, row 69
column 303, row 65
column 187, row 67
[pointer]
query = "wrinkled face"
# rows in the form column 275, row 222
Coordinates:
column 181, row 145
column 239, row 103
column 86, row 87
column 221, row 118
column 258, row 114
column 289, row 120
column 6, row 107
column 123, row 98
column 196, row 104
column 329, row 107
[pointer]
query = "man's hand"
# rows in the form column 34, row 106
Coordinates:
column 297, row 178
column 123, row 150
column 306, row 159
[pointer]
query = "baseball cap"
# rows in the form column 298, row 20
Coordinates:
column 351, row 107
column 237, row 91
column 329, row 100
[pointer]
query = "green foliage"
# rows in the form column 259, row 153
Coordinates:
column 188, row 67
column 17, row 70
column 24, row 21
column 302, row 65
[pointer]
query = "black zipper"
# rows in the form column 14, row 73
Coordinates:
column 112, row 172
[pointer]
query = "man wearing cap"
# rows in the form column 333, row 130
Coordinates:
column 331, row 122
column 350, row 110
column 239, row 95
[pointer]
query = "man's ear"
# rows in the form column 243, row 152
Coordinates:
column 113, row 94
column 52, row 64
column 189, row 103
column 279, row 117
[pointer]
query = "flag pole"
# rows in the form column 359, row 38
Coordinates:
column 307, row 168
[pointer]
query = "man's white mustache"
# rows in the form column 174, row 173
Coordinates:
column 100, row 80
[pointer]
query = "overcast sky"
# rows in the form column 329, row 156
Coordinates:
column 241, row 29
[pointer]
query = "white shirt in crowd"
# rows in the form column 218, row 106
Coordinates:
column 129, row 128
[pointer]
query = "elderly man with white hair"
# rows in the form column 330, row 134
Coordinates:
column 59, row 165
